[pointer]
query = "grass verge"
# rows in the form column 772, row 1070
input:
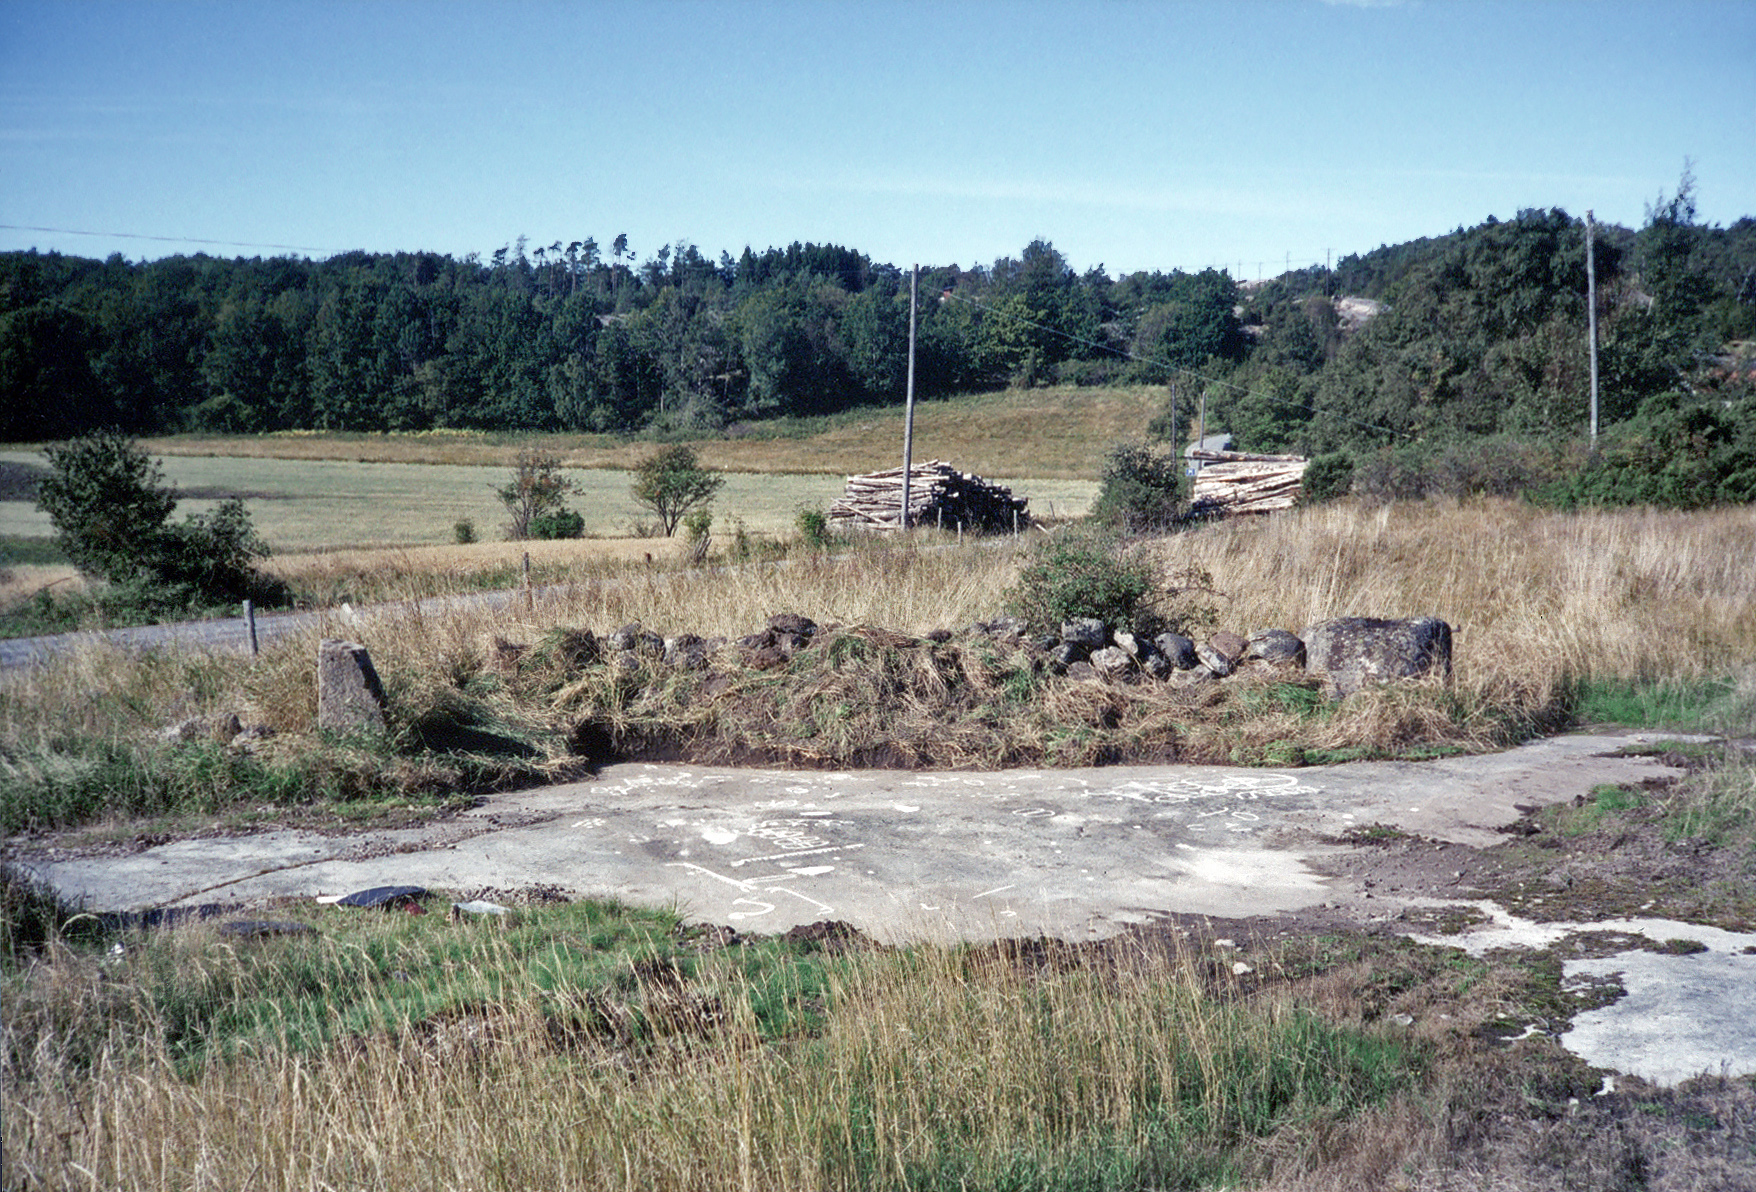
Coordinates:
column 590, row 1045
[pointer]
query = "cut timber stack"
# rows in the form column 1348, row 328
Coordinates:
column 1239, row 482
column 939, row 495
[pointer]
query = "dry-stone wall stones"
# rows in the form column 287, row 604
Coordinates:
column 686, row 651
column 1350, row 652
column 1179, row 649
column 1229, row 646
column 1213, row 660
column 350, row 697
column 1112, row 661
column 1276, row 646
column 1066, row 654
column 1086, row 632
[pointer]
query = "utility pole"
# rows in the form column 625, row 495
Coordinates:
column 1591, row 316
column 908, row 418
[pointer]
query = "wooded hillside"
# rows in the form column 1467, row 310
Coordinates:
column 1480, row 332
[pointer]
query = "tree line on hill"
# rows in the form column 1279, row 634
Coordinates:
column 556, row 338
column 1478, row 334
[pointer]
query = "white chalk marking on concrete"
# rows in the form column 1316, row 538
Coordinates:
column 730, row 881
column 822, row 907
column 767, row 907
column 804, row 852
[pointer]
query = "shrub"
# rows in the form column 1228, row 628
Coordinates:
column 1327, row 477
column 536, row 490
column 814, row 529
column 561, row 523
column 1086, row 573
column 1679, row 451
column 108, row 502
column 698, row 525
column 110, row 509
column 464, row 531
column 1142, row 490
column 671, row 483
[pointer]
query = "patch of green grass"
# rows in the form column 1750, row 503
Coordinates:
column 1686, row 704
column 17, row 550
column 70, row 782
column 1716, row 806
column 1605, row 801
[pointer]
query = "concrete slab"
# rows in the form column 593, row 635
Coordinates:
column 901, row 855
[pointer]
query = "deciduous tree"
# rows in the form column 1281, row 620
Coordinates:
column 672, row 483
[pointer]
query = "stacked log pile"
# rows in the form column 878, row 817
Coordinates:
column 1241, row 482
column 939, row 495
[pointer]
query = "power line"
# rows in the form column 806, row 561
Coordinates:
column 168, row 239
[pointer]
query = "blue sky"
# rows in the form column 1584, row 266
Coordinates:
column 1133, row 135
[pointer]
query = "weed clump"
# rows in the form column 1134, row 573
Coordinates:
column 1090, row 572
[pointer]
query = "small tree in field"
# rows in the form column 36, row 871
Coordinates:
column 108, row 502
column 111, row 509
column 536, row 493
column 672, row 483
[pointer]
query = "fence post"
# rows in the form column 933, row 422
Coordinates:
column 250, row 627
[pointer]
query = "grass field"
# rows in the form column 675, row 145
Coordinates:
column 308, row 504
column 1056, row 433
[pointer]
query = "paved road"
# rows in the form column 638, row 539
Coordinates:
column 1071, row 853
column 231, row 635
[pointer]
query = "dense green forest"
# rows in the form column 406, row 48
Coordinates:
column 1479, row 332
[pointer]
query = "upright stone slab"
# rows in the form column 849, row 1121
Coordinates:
column 1350, row 652
column 349, row 696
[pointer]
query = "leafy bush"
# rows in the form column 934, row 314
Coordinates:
column 535, row 491
column 814, row 529
column 108, row 502
column 673, row 482
column 1327, row 477
column 698, row 525
column 1679, row 451
column 1142, row 491
column 562, row 523
column 1088, row 573
column 110, row 508
column 463, row 531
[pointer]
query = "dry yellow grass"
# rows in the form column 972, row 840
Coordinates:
column 930, row 1064
column 1056, row 433
column 1535, row 598
column 21, row 581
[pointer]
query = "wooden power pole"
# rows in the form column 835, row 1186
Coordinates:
column 908, row 418
column 1591, row 317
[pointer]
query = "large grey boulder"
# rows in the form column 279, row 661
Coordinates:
column 350, row 697
column 1350, row 652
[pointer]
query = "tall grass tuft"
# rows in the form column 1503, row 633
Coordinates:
column 535, row 1057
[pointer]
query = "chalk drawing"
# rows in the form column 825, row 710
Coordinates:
column 740, row 916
